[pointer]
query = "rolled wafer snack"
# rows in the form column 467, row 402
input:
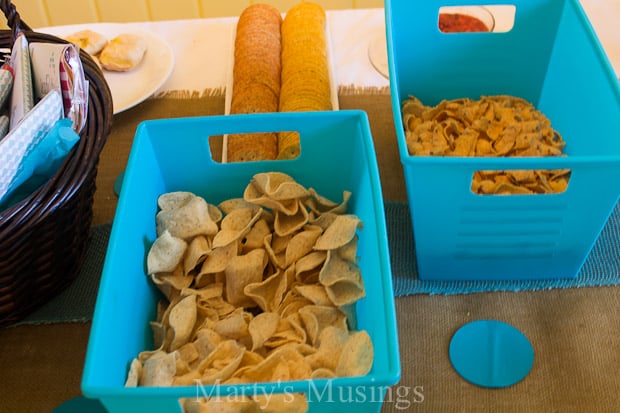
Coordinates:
column 256, row 79
column 305, row 74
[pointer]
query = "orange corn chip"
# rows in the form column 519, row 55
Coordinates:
column 491, row 126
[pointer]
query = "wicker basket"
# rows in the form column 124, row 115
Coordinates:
column 43, row 238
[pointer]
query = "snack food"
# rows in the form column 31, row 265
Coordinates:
column 262, row 298
column 305, row 74
column 122, row 53
column 89, row 41
column 256, row 79
column 490, row 126
column 279, row 65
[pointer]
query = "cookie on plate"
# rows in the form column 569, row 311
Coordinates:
column 122, row 53
column 88, row 40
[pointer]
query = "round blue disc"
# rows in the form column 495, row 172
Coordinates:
column 80, row 404
column 491, row 353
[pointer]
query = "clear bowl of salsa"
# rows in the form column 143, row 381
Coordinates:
column 460, row 19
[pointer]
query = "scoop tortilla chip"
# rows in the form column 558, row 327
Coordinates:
column 339, row 233
column 316, row 318
column 174, row 200
column 158, row 370
column 268, row 293
column 182, row 319
column 196, row 253
column 331, row 343
column 288, row 224
column 217, row 260
column 242, row 271
column 314, row 292
column 320, row 204
column 302, row 244
column 234, row 326
column 283, row 361
column 289, row 331
column 253, row 195
column 188, row 220
column 279, row 186
column 342, row 280
column 235, row 225
column 165, row 254
column 135, row 371
column 222, row 362
column 261, row 327
column 357, row 355
column 256, row 236
column 171, row 283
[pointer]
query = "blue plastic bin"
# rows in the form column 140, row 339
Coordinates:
column 551, row 58
column 174, row 155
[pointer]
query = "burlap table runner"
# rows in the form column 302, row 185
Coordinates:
column 574, row 332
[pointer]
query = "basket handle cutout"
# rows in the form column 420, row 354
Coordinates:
column 476, row 18
column 520, row 182
column 255, row 146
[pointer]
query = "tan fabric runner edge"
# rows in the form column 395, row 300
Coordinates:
column 195, row 94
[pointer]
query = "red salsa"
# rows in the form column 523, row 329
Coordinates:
column 457, row 22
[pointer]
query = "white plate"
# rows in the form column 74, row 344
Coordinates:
column 377, row 53
column 132, row 87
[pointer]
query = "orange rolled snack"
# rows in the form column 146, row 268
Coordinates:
column 256, row 79
column 305, row 73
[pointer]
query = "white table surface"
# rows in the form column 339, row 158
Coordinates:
column 202, row 47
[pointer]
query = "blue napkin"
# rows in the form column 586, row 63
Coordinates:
column 42, row 162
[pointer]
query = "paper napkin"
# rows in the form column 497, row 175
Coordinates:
column 58, row 67
column 22, row 99
column 21, row 140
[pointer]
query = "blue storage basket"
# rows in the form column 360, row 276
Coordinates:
column 551, row 58
column 337, row 154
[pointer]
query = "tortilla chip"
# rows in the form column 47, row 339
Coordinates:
column 241, row 271
column 221, row 363
column 315, row 318
column 188, row 220
column 342, row 280
column 182, row 319
column 196, row 253
column 339, row 233
column 268, row 293
column 262, row 327
column 357, row 355
column 165, row 254
column 158, row 370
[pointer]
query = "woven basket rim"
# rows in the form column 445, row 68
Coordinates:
column 43, row 237
column 85, row 152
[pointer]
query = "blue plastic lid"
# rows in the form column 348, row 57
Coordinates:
column 491, row 353
column 80, row 405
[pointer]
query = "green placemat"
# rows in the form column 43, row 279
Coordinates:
column 77, row 302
